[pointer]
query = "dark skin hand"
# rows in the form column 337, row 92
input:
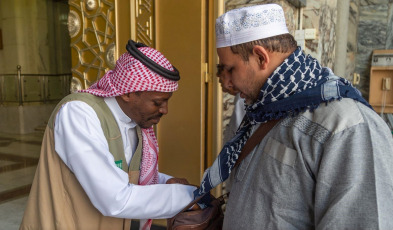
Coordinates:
column 177, row 181
column 182, row 181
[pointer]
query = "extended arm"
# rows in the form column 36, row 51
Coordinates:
column 82, row 146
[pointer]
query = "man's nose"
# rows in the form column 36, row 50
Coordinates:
column 164, row 109
column 226, row 82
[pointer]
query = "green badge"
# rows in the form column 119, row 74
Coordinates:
column 119, row 164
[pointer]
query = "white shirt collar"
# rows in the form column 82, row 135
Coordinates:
column 118, row 112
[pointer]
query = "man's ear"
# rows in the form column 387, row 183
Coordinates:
column 262, row 55
column 126, row 97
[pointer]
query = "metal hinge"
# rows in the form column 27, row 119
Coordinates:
column 206, row 74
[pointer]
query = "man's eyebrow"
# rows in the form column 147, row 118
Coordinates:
column 159, row 100
column 220, row 68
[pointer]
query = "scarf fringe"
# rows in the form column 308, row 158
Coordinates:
column 296, row 110
column 290, row 111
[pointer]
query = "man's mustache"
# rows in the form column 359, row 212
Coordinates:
column 157, row 116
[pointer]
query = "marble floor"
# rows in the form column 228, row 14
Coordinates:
column 18, row 161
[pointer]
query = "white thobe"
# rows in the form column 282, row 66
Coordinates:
column 81, row 144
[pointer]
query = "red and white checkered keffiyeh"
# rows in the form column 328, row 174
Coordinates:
column 130, row 75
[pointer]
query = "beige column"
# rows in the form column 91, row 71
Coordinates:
column 341, row 38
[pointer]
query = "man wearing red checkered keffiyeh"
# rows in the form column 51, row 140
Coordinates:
column 80, row 140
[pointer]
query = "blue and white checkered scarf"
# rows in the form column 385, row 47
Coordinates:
column 298, row 84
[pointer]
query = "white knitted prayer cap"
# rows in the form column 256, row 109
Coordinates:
column 249, row 24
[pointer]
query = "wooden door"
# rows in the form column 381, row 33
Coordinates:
column 184, row 34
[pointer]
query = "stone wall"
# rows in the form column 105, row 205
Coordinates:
column 352, row 44
column 321, row 15
column 2, row 43
column 34, row 33
column 25, row 32
column 374, row 31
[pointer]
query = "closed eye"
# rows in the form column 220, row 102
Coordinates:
column 160, row 103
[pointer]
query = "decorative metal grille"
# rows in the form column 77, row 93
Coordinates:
column 91, row 24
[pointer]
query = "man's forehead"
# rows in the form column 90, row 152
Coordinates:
column 222, row 63
column 155, row 94
column 225, row 54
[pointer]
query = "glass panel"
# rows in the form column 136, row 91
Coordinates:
column 32, row 90
column 55, row 88
column 10, row 88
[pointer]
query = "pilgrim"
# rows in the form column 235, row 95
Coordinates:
column 328, row 161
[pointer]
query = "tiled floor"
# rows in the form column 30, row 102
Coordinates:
column 18, row 161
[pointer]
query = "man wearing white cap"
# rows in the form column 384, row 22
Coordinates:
column 326, row 164
column 98, row 165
